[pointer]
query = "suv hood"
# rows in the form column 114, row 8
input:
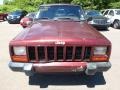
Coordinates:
column 117, row 17
column 99, row 17
column 67, row 31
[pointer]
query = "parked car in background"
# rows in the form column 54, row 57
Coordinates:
column 3, row 16
column 114, row 17
column 96, row 19
column 16, row 16
column 102, row 11
column 27, row 19
column 60, row 40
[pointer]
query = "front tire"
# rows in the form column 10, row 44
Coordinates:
column 10, row 22
column 5, row 18
column 116, row 24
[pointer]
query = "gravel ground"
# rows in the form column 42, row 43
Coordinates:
column 18, row 81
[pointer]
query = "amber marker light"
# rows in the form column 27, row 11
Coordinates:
column 99, row 58
column 19, row 58
column 100, row 54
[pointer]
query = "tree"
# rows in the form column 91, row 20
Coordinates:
column 32, row 5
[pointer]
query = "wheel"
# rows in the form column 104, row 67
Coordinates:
column 116, row 24
column 5, row 18
column 9, row 22
column 106, row 28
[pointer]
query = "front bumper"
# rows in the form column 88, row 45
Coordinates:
column 14, row 21
column 98, row 26
column 90, row 68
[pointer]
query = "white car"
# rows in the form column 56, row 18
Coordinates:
column 114, row 17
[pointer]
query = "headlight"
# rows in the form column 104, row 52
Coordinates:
column 108, row 21
column 91, row 22
column 18, row 16
column 20, row 50
column 7, row 17
column 100, row 50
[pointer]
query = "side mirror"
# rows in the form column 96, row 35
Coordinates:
column 31, row 19
column 29, row 22
column 89, row 19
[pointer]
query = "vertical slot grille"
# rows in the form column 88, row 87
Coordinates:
column 69, row 52
column 87, row 53
column 41, row 53
column 50, row 53
column 31, row 52
column 59, row 53
column 78, row 52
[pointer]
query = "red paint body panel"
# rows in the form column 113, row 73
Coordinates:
column 3, row 16
column 24, row 21
column 48, row 32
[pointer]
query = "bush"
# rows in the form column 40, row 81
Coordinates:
column 32, row 5
column 115, row 5
column 7, row 8
column 30, row 9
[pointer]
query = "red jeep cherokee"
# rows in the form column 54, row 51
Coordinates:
column 3, row 16
column 60, row 40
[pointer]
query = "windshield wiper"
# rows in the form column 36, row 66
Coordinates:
column 65, row 18
column 44, row 18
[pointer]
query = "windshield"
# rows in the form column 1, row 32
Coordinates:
column 94, row 13
column 118, row 12
column 62, row 12
column 16, row 12
column 31, row 15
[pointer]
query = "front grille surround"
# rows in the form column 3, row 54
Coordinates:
column 100, row 21
column 58, row 53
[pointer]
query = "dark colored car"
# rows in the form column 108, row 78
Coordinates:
column 16, row 16
column 3, row 16
column 59, row 40
column 27, row 19
column 96, row 19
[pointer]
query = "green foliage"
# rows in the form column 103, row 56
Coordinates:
column 115, row 5
column 32, row 5
column 8, row 8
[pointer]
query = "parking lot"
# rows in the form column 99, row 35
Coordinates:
column 18, row 81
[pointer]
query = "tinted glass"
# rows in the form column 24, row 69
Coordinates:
column 118, row 12
column 60, row 11
column 106, row 12
column 17, row 12
column 93, row 13
column 111, row 13
column 31, row 15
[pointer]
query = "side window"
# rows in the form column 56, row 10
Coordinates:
column 102, row 12
column 24, row 12
column 106, row 12
column 111, row 13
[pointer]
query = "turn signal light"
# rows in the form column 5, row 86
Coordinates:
column 19, row 58
column 99, row 58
